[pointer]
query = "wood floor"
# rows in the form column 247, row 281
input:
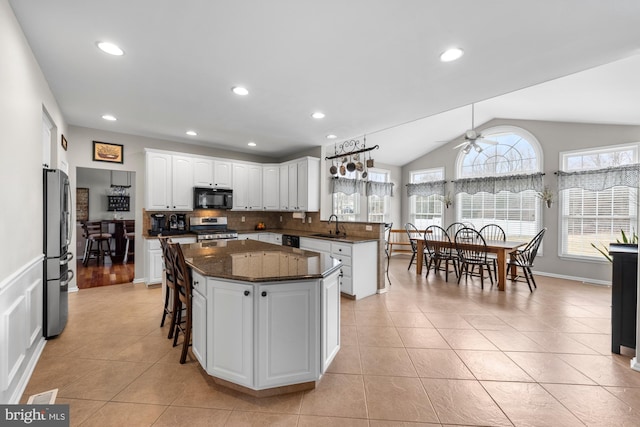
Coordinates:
column 93, row 276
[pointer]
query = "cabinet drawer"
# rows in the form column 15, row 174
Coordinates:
column 340, row 249
column 346, row 271
column 345, row 260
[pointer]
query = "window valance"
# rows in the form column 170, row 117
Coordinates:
column 379, row 189
column 600, row 179
column 496, row 184
column 426, row 188
column 347, row 186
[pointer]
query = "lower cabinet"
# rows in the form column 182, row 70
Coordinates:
column 330, row 328
column 262, row 335
column 153, row 261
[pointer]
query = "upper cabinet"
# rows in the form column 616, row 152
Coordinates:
column 169, row 182
column 211, row 173
column 271, row 187
column 302, row 183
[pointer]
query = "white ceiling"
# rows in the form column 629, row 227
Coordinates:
column 370, row 65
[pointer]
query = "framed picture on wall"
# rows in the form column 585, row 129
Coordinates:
column 63, row 141
column 107, row 152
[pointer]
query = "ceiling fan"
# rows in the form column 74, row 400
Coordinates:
column 472, row 138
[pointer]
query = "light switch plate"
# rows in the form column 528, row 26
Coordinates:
column 368, row 227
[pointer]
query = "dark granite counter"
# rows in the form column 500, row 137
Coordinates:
column 312, row 234
column 254, row 261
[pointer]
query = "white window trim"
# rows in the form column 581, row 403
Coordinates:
column 412, row 199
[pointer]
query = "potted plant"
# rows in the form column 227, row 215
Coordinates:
column 546, row 195
column 626, row 240
column 447, row 200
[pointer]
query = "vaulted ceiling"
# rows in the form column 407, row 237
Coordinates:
column 372, row 66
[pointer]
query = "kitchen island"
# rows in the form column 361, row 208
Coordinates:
column 266, row 318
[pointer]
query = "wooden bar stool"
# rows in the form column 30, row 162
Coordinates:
column 183, row 291
column 95, row 236
column 170, row 297
column 130, row 236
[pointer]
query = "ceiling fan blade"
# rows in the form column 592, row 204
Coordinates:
column 487, row 141
column 461, row 144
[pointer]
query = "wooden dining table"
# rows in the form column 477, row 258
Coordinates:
column 501, row 248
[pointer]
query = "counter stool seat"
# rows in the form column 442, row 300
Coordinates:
column 95, row 236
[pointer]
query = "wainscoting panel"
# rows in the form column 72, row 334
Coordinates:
column 21, row 340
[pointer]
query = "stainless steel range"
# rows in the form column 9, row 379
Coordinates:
column 211, row 228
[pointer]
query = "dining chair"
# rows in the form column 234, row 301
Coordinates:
column 412, row 231
column 95, row 235
column 493, row 232
column 183, row 292
column 453, row 228
column 387, row 239
column 472, row 250
column 438, row 248
column 524, row 258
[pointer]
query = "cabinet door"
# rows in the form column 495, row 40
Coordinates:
column 202, row 172
column 199, row 323
column 271, row 264
column 240, row 186
column 222, row 174
column 254, row 187
column 230, row 331
column 271, row 187
column 303, row 183
column 330, row 328
column 293, row 186
column 182, row 193
column 158, row 181
column 154, row 266
column 284, row 187
column 288, row 335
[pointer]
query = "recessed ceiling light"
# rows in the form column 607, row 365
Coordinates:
column 109, row 117
column 251, row 144
column 331, row 136
column 318, row 115
column 192, row 133
column 239, row 90
column 451, row 54
column 110, row 48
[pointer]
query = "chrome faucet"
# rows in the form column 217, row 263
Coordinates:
column 331, row 219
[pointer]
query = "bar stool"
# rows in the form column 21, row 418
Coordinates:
column 129, row 235
column 94, row 235
column 170, row 289
column 183, row 291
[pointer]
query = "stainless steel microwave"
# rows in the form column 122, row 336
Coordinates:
column 212, row 198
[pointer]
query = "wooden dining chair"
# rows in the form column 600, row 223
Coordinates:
column 524, row 258
column 438, row 248
column 95, row 243
column 493, row 232
column 472, row 250
column 412, row 231
column 183, row 292
column 387, row 241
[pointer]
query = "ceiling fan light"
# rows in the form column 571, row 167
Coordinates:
column 466, row 149
column 477, row 147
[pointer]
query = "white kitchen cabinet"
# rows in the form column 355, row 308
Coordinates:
column 358, row 279
column 169, row 182
column 240, row 186
column 199, row 318
column 203, row 172
column 284, row 187
column 330, row 328
column 254, row 187
column 230, row 327
column 303, row 185
column 288, row 330
column 222, row 174
column 271, row 187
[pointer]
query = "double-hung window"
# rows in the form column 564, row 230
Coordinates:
column 347, row 206
column 426, row 210
column 378, row 206
column 597, row 217
column 513, row 151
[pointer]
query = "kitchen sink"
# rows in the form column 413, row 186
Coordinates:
column 330, row 236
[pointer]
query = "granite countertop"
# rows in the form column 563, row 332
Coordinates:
column 232, row 259
column 312, row 234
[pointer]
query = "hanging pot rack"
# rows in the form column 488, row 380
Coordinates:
column 351, row 147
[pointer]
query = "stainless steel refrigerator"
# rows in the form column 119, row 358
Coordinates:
column 57, row 242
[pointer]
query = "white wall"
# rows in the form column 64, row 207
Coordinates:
column 24, row 93
column 554, row 137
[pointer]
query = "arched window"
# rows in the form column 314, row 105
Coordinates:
column 516, row 152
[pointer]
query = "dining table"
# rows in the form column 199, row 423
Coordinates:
column 501, row 248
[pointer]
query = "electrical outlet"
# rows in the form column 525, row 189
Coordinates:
column 368, row 227
column 280, row 218
column 242, row 219
column 309, row 220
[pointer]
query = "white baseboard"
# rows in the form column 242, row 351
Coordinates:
column 136, row 281
column 576, row 278
column 635, row 364
column 26, row 375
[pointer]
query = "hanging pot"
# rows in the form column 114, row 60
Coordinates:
column 364, row 174
column 369, row 161
column 359, row 167
column 333, row 169
column 343, row 170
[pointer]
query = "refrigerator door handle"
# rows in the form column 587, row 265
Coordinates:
column 68, row 219
column 68, row 258
column 70, row 276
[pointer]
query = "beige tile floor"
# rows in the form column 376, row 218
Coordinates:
column 426, row 353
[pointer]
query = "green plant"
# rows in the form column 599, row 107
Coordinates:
column 633, row 240
column 547, row 194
